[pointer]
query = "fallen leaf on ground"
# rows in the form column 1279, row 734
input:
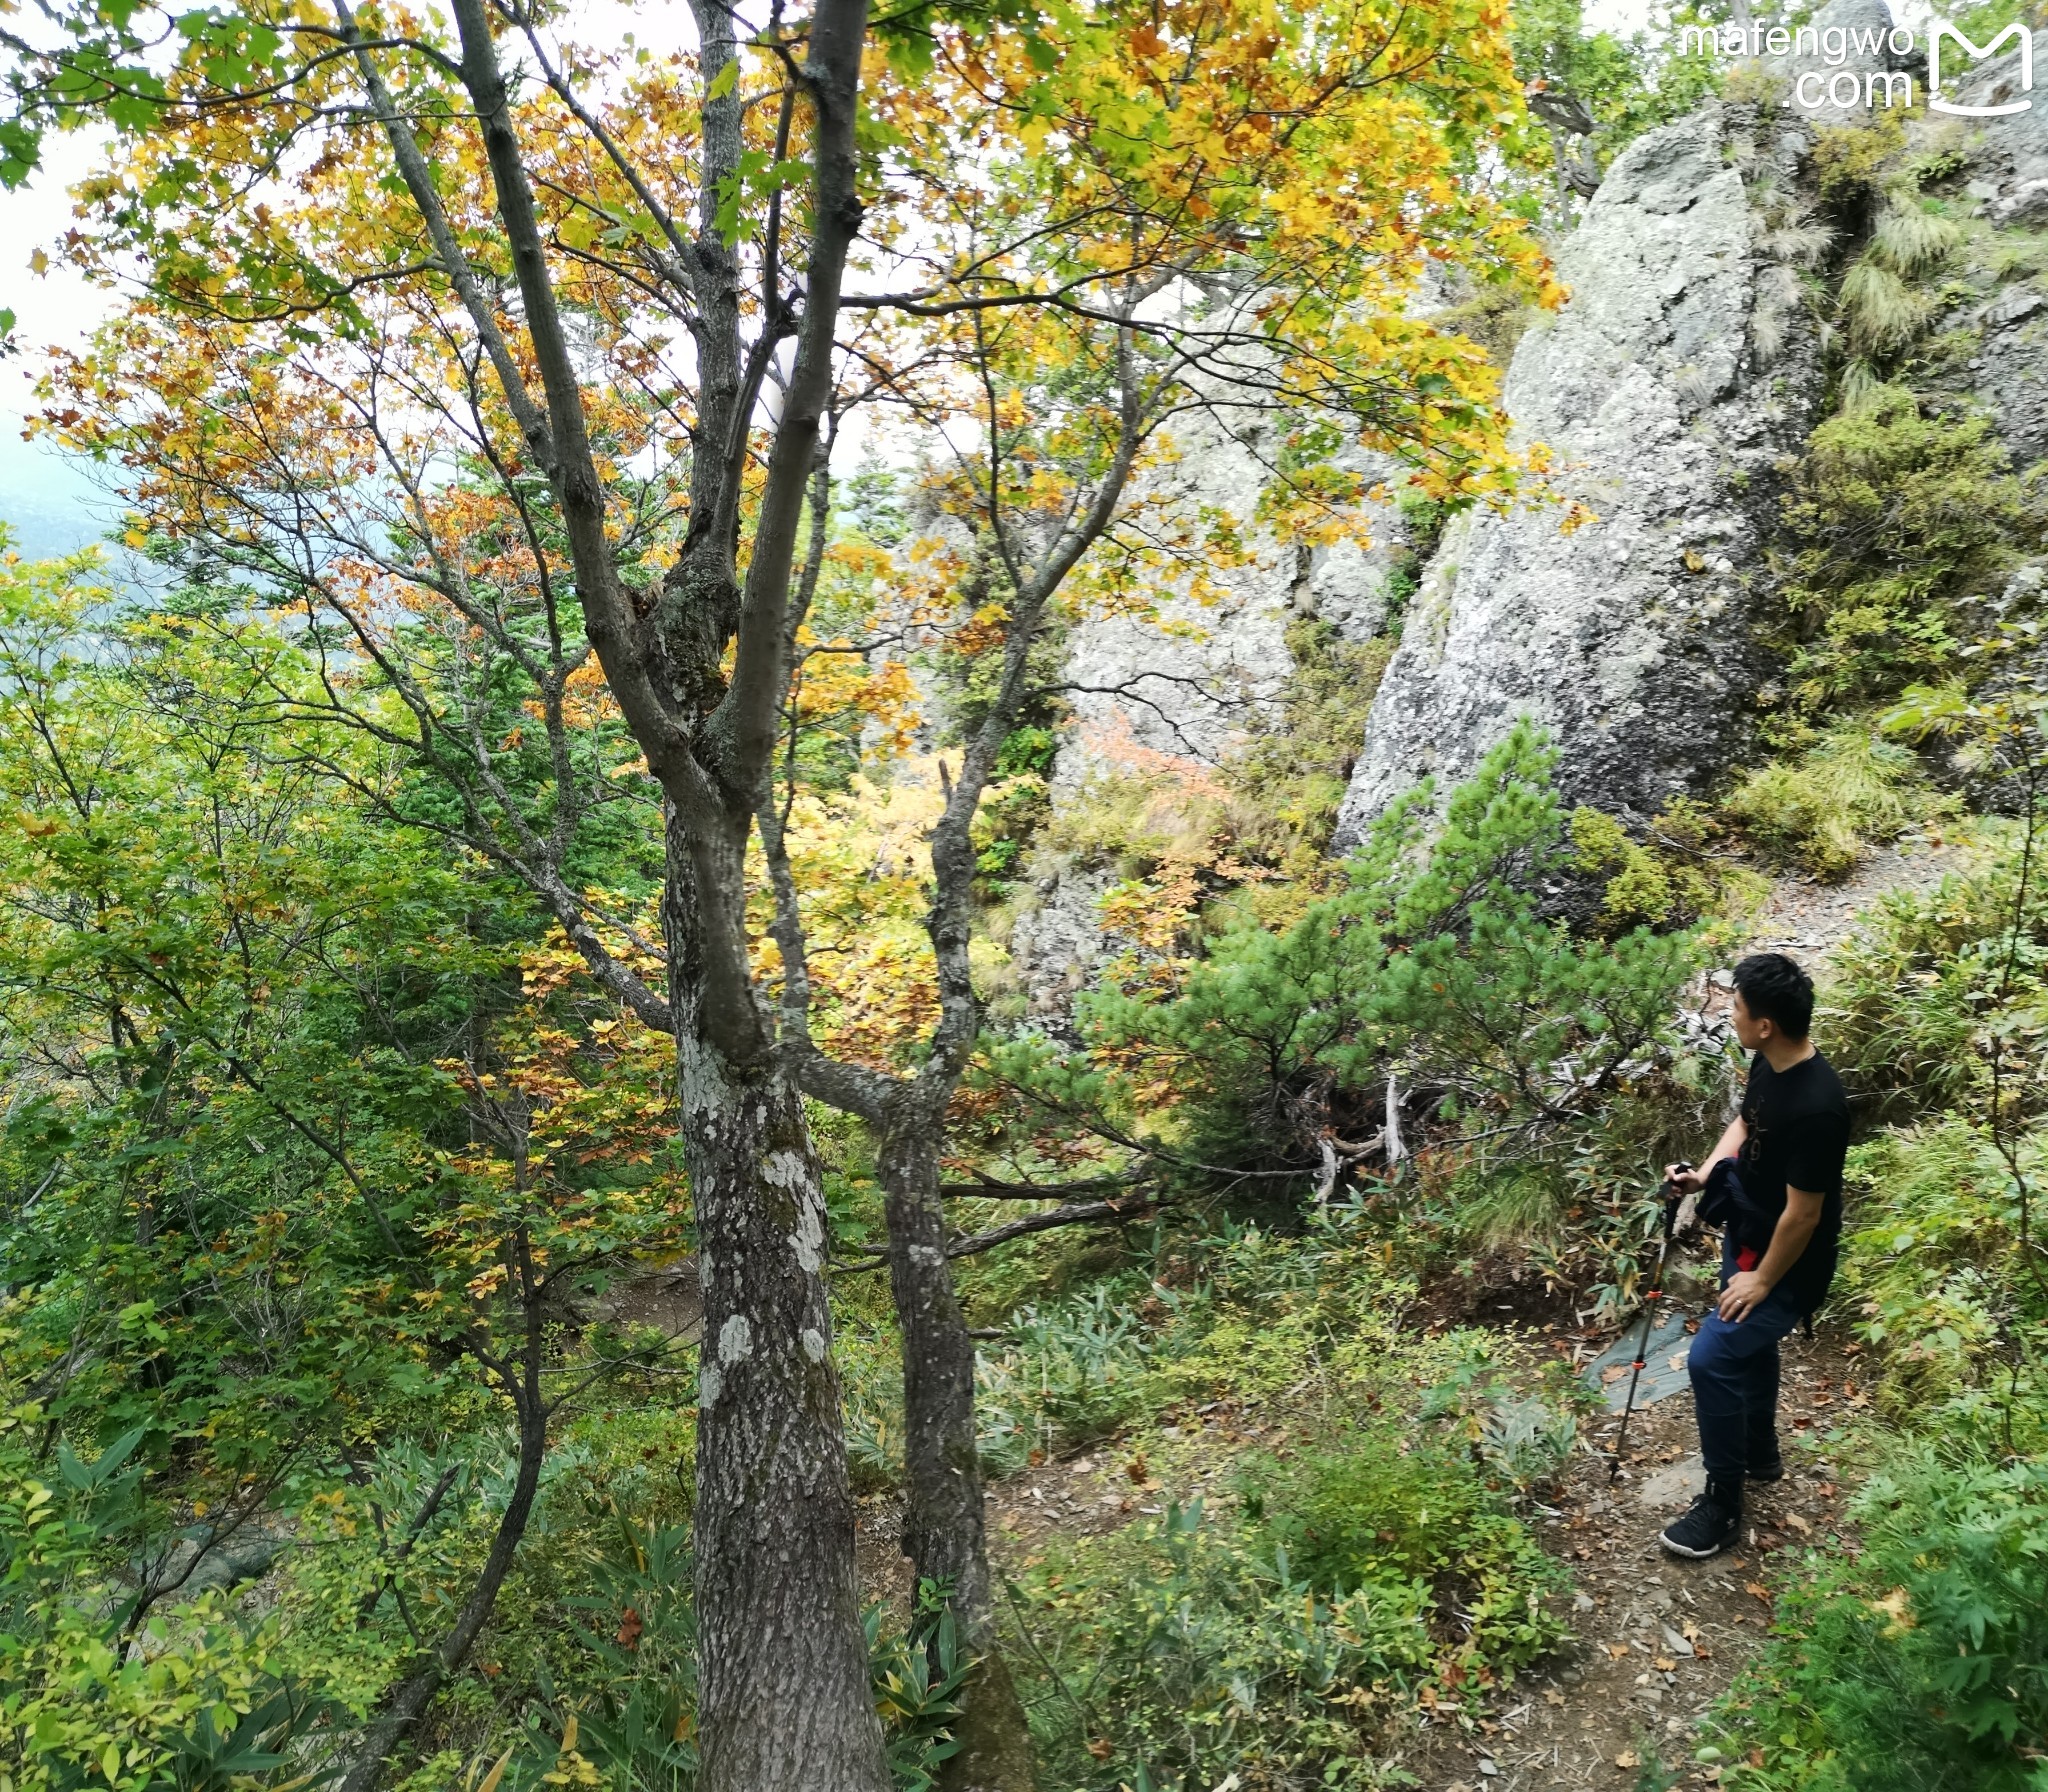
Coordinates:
column 1617, row 1650
column 1628, row 1758
column 1797, row 1523
column 1665, row 1663
column 1758, row 1588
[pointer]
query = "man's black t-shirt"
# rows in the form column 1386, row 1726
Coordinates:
column 1798, row 1124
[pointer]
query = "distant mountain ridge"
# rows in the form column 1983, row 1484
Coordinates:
column 49, row 503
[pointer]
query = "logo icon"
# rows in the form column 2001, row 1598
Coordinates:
column 1935, row 103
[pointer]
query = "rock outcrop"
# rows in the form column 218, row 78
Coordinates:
column 1680, row 375
column 2006, row 182
column 2002, row 314
column 1180, row 688
column 1674, row 390
column 1185, row 683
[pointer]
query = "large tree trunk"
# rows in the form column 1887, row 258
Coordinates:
column 785, row 1703
column 943, row 1532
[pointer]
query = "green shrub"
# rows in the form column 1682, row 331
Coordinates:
column 1076, row 1372
column 1817, row 811
column 627, row 1719
column 1930, row 1277
column 1583, row 1213
column 1854, row 159
column 92, row 1691
column 1181, row 1650
column 1669, row 880
column 1911, row 1007
column 1284, row 776
column 1434, row 966
column 1919, row 1664
column 1371, row 1504
column 870, row 1360
column 1895, row 518
column 1370, row 1543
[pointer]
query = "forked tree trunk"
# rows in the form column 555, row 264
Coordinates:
column 943, row 1533
column 785, row 1702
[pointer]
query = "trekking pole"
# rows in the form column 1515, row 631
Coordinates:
column 1650, row 1300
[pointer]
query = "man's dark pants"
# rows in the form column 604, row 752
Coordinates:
column 1734, row 1369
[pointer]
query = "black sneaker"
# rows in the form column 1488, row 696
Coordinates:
column 1714, row 1522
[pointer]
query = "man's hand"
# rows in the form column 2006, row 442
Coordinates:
column 1684, row 1178
column 1743, row 1295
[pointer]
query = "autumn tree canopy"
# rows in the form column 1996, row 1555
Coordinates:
column 500, row 365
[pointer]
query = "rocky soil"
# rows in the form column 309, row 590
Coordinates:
column 1655, row 1640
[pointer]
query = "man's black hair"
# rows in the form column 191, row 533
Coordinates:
column 1775, row 989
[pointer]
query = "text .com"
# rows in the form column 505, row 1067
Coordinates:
column 1950, row 55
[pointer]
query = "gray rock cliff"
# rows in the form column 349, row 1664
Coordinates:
column 2007, row 187
column 1186, row 683
column 1679, row 376
column 1149, row 693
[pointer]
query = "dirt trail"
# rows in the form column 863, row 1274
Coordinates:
column 1655, row 1640
column 1808, row 919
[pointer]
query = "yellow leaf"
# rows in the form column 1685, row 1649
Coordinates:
column 39, row 263
column 496, row 1774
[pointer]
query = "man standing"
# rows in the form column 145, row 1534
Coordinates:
column 1776, row 1180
